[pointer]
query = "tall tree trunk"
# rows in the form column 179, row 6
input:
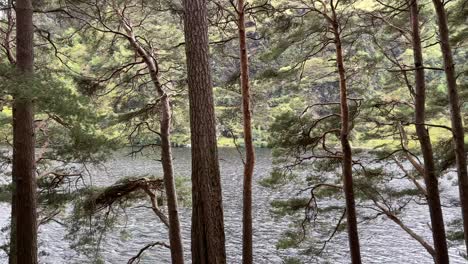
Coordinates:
column 24, row 216
column 347, row 163
column 430, row 177
column 208, row 241
column 247, row 236
column 457, row 124
column 175, row 237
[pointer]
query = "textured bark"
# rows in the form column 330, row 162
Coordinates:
column 247, row 232
column 177, row 251
column 430, row 177
column 208, row 241
column 175, row 237
column 24, row 181
column 347, row 163
column 457, row 123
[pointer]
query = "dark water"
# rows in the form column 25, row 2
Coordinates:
column 381, row 241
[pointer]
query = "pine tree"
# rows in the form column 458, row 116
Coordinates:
column 208, row 241
column 24, row 215
column 430, row 177
column 247, row 233
column 455, row 112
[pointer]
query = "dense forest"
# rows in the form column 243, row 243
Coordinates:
column 233, row 131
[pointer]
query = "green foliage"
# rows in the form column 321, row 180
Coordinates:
column 93, row 96
column 455, row 230
column 277, row 177
column 5, row 193
column 289, row 239
column 184, row 191
column 288, row 207
column 290, row 260
column 76, row 134
column 86, row 231
column 96, row 211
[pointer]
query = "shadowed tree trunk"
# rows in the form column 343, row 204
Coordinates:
column 347, row 163
column 247, row 244
column 175, row 237
column 430, row 177
column 457, row 124
column 208, row 241
column 24, row 215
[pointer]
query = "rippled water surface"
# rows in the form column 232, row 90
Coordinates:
column 381, row 241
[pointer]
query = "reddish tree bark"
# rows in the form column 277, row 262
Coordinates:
column 347, row 159
column 347, row 163
column 454, row 101
column 430, row 177
column 247, row 229
column 208, row 241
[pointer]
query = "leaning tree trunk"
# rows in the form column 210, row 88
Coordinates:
column 347, row 163
column 247, row 244
column 175, row 237
column 457, row 124
column 208, row 241
column 24, row 218
column 430, row 177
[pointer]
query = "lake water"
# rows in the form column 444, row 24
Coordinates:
column 381, row 240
